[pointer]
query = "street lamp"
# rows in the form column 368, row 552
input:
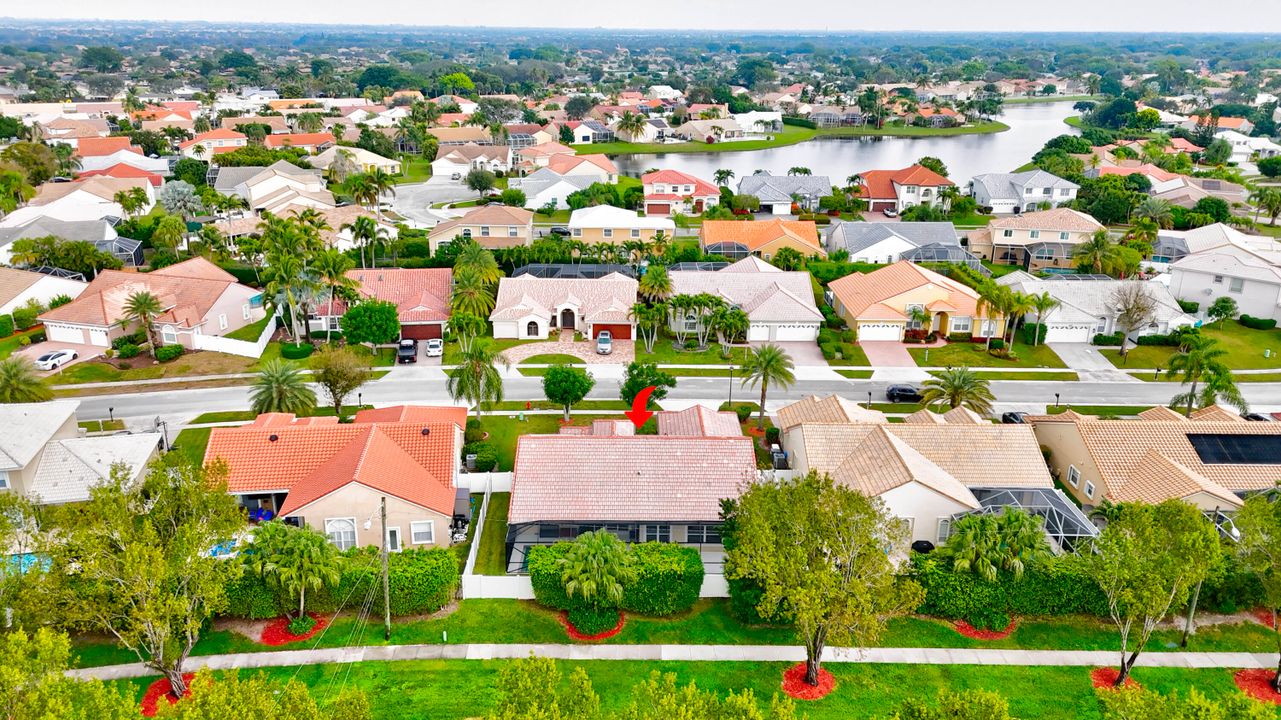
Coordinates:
column 731, row 387
column 360, row 401
column 869, row 399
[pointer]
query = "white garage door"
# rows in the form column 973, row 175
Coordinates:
column 795, row 333
column 880, row 331
column 757, row 332
column 63, row 333
column 98, row 338
column 1069, row 333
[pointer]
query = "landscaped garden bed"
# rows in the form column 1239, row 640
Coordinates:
column 795, row 686
column 281, row 631
column 161, row 689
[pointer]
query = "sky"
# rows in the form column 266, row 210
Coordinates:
column 1255, row 16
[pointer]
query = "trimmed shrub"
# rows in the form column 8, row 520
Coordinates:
column 486, row 458
column 25, row 317
column 244, row 275
column 772, row 434
column 1189, row 306
column 989, row 619
column 59, row 300
column 301, row 625
column 743, row 412
column 1033, row 333
column 828, row 350
column 1113, row 340
column 474, row 432
column 249, row 597
column 1157, row 340
column 128, row 350
column 137, row 338
column 298, row 351
column 960, row 337
column 544, row 576
column 165, row 353
column 997, row 344
column 1253, row 323
column 1052, row 587
column 6, row 326
column 590, row 621
column 36, row 337
column 668, row 578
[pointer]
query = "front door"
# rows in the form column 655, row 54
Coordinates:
column 567, row 319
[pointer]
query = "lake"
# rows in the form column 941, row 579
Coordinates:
column 1031, row 125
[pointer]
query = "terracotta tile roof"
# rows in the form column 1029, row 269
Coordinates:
column 860, row 293
column 96, row 146
column 699, row 421
column 755, row 235
column 545, row 150
column 880, row 184
column 315, row 139
column 563, row 163
column 1216, row 414
column 702, row 188
column 830, row 409
column 925, row 417
column 1161, row 413
column 420, row 295
column 606, row 299
column 125, row 170
column 1158, row 478
column 881, row 462
column 627, row 479
column 414, row 413
column 187, row 290
column 310, row 461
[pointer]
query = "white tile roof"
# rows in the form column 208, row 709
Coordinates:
column 29, row 427
column 606, row 299
column 765, row 295
column 70, row 468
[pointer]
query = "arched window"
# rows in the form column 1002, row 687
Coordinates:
column 341, row 532
column 531, row 330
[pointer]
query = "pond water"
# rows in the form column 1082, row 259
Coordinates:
column 965, row 155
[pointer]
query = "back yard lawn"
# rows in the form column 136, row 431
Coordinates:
column 491, row 556
column 974, row 355
column 504, row 430
column 192, row 443
column 1244, row 347
column 250, row 332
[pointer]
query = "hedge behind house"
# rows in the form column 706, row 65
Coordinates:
column 1053, row 587
column 668, row 578
column 544, row 575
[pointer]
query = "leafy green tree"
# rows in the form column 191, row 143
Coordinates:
column 959, row 387
column 730, row 325
column 294, row 559
column 280, row 387
column 168, row 233
column 339, row 373
column 1259, row 548
column 1217, row 152
column 788, row 259
column 531, row 688
column 14, row 190
column 482, row 181
column 767, row 365
column 371, row 322
column 661, row 698
column 1147, row 562
column 259, row 697
column 567, row 385
column 822, row 555
column 36, row 160
column 35, row 687
column 952, row 705
column 19, row 382
column 932, row 163
column 639, row 376
column 1098, row 254
column 984, row 544
column 476, row 379
column 103, row 58
column 1223, row 308
column 136, row 565
column 1145, row 704
column 141, row 309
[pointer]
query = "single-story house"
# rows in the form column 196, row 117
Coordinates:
column 779, row 305
column 606, row 223
column 1036, row 240
column 421, row 296
column 365, row 160
column 89, row 199
column 760, row 121
column 534, row 307
column 332, row 477
column 1006, row 193
column 275, row 187
column 1086, row 307
column 668, row 192
column 44, row 458
column 777, row 193
column 198, row 298
column 462, row 159
column 735, row 240
column 879, row 304
column 544, row 186
column 492, row 226
column 598, row 167
column 709, row 131
column 886, row 243
column 38, row 226
column 664, row 488
column 900, row 189
column 18, row 287
column 590, row 131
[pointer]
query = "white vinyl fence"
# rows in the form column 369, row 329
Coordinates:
column 243, row 348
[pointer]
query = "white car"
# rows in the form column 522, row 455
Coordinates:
column 435, row 347
column 53, row 359
column 604, row 343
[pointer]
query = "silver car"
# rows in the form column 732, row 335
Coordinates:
column 54, row 359
column 604, row 343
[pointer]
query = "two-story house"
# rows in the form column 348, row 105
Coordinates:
column 215, row 142
column 668, row 192
column 492, row 226
column 1035, row 240
column 1005, row 193
column 900, row 189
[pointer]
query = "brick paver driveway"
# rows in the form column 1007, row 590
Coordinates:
column 624, row 351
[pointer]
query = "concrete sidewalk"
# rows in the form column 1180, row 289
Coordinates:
column 693, row 653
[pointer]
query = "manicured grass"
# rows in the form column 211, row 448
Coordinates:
column 552, row 359
column 974, row 355
column 504, row 430
column 457, row 689
column 250, row 332
column 10, row 345
column 856, row 374
column 385, row 357
column 851, row 355
column 1252, row 377
column 192, row 442
column 971, row 220
column 560, row 217
column 697, row 372
column 548, row 405
column 999, row 270
column 416, row 169
column 189, row 364
column 247, row 415
column 491, row 556
column 665, row 354
column 1244, row 346
column 453, row 355
column 1101, row 410
column 1009, row 375
column 903, row 408
column 102, row 425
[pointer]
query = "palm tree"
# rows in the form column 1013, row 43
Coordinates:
column 1142, row 235
column 280, row 387
column 365, row 232
column 993, row 299
column 286, row 285
column 14, row 190
column 466, row 327
column 168, row 233
column 471, row 294
column 142, row 308
column 1269, row 201
column 767, row 365
column 982, row 544
column 476, row 379
column 1017, row 305
column 853, row 181
column 1200, row 359
column 655, row 284
column 382, row 183
column 723, row 176
column 1043, row 304
column 631, row 125
column 479, row 260
column 330, row 267
column 1158, row 210
column 799, row 170
column 295, row 560
column 1098, row 253
column 730, row 325
column 595, row 568
column 659, row 244
column 959, row 387
column 19, row 382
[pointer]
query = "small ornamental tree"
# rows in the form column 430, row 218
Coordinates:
column 1223, row 308
column 339, row 373
column 566, row 386
column 482, row 181
column 371, row 322
column 639, row 376
column 1259, row 548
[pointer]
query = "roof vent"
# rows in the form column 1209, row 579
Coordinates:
column 273, row 437
column 426, row 431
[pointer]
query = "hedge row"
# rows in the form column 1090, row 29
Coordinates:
column 1113, row 340
column 6, row 326
column 1033, row 333
column 1054, row 587
column 165, row 353
column 1189, row 306
column 1256, row 323
column 668, row 578
column 1157, row 340
column 420, row 581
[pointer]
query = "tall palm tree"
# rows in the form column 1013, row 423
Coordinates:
column 330, row 268
column 1269, row 201
column 723, row 176
column 471, row 294
column 1200, row 359
column 631, row 124
column 1017, row 306
column 19, row 382
column 1158, row 210
column 767, row 365
column 476, row 379
column 465, row 327
column 1043, row 304
column 142, row 308
column 993, row 299
column 365, row 232
column 383, row 183
column 286, row 284
column 959, row 387
column 479, row 260
column 1099, row 253
column 280, row 387
column 659, row 243
column 655, row 284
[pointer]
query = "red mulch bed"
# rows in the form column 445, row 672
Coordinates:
column 573, row 631
column 277, row 631
column 795, row 686
column 1263, row 615
column 1257, row 684
column 160, row 689
column 755, row 431
column 970, row 631
column 1106, row 677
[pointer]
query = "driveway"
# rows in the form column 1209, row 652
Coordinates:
column 414, row 198
column 802, row 353
column 82, row 351
column 887, row 354
column 624, row 351
column 1089, row 363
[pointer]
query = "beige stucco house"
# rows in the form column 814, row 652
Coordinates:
column 879, row 305
column 492, row 226
column 1035, row 240
column 609, row 224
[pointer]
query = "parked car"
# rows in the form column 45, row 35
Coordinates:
column 1014, row 418
column 407, row 351
column 54, row 359
column 889, row 212
column 1257, row 417
column 435, row 347
column 604, row 343
column 456, row 176
column 903, row 393
column 560, row 230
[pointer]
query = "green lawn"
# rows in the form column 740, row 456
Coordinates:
column 250, row 332
column 552, row 359
column 247, row 415
column 11, row 344
column 1100, row 410
column 851, row 355
column 856, row 374
column 491, row 560
column 665, row 354
column 453, row 354
column 416, row 169
column 457, row 689
column 1010, row 375
column 1244, row 347
column 697, row 372
column 560, row 217
column 503, row 432
column 513, row 405
column 971, row 220
column 974, row 355
column 998, row 270
column 385, row 357
column 101, row 425
column 193, row 442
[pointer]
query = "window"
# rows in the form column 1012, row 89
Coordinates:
column 944, row 530
column 393, row 539
column 1047, row 192
column 222, row 321
column 911, row 189
column 341, row 532
column 335, row 323
column 1074, row 476
column 913, row 324
column 1028, row 191
column 691, row 323
column 484, row 231
column 466, row 234
column 1218, row 279
column 422, row 533
column 167, row 335
column 1034, row 234
column 1007, row 233
column 1235, row 285
column 244, row 311
column 511, row 231
column 1089, row 489
column 578, row 232
column 4, row 479
column 1044, row 252
column 1102, row 327
column 635, row 233
column 607, row 232
column 987, row 328
column 703, row 534
column 961, row 325
column 1063, row 236
column 1063, row 192
column 658, row 533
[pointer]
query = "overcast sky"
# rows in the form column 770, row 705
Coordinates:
column 960, row 15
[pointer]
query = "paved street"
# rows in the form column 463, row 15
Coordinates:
column 413, row 199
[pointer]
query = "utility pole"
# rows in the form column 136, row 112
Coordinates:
column 386, row 586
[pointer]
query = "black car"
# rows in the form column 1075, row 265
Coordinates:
column 407, row 351
column 1257, row 417
column 902, row 393
column 1014, row 418
column 560, row 230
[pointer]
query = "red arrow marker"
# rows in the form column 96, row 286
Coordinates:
column 638, row 414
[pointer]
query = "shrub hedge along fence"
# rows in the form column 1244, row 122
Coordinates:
column 668, row 578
